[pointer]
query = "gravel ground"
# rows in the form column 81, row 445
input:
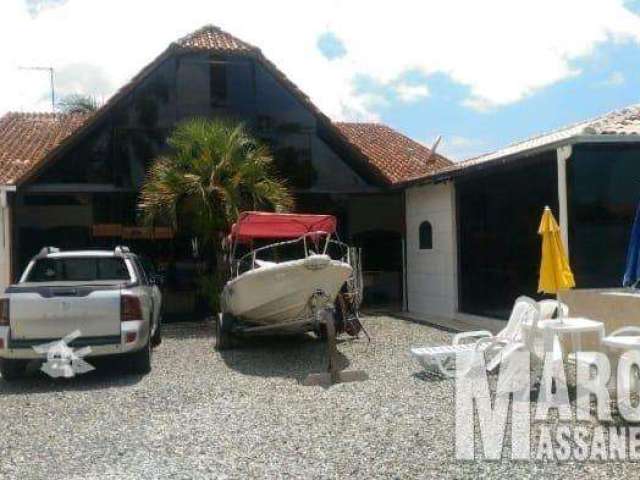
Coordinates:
column 244, row 414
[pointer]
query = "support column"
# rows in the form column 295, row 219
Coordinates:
column 563, row 153
column 5, row 241
column 405, row 235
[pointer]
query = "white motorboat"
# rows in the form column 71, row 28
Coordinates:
column 278, row 293
column 282, row 286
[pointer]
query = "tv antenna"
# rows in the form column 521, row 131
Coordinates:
column 434, row 147
column 51, row 79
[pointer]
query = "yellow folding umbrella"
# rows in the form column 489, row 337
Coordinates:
column 555, row 272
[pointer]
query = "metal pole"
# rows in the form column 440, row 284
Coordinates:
column 53, row 90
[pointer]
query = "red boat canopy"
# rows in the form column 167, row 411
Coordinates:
column 252, row 225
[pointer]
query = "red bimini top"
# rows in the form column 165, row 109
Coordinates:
column 253, row 225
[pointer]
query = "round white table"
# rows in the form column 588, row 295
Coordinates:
column 575, row 327
column 622, row 343
column 618, row 345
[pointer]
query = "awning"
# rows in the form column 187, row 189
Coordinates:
column 255, row 225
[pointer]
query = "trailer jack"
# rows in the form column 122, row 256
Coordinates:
column 333, row 374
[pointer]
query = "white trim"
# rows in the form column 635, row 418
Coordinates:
column 454, row 236
column 405, row 296
column 605, row 138
column 7, row 244
column 563, row 153
column 557, row 143
column 471, row 163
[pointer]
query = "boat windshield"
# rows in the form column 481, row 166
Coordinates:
column 266, row 252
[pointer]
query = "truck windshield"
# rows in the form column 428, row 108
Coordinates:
column 78, row 269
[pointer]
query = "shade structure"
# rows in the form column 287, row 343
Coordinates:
column 268, row 225
column 555, row 272
column 632, row 270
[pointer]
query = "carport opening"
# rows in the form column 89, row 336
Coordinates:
column 381, row 266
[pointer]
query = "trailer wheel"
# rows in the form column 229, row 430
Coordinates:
column 224, row 337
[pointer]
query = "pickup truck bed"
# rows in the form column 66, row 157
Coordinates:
column 53, row 311
column 67, row 293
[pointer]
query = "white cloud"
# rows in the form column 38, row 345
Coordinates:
column 614, row 80
column 493, row 47
column 408, row 93
column 36, row 6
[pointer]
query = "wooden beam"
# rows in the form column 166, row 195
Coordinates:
column 76, row 188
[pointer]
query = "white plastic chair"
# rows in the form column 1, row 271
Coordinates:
column 443, row 358
column 549, row 308
column 499, row 348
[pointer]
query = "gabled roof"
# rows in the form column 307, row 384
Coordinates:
column 395, row 155
column 35, row 139
column 27, row 138
column 28, row 141
column 213, row 39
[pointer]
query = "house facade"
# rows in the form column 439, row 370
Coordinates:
column 73, row 180
column 472, row 243
column 438, row 239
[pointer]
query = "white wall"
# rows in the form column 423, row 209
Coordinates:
column 5, row 245
column 432, row 286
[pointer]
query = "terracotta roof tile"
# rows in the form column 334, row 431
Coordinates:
column 27, row 138
column 394, row 155
column 211, row 38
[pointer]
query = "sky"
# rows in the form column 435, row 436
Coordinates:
column 481, row 74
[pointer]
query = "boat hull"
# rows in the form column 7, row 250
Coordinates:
column 279, row 293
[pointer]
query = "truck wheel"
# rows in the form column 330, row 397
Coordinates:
column 12, row 369
column 141, row 360
column 157, row 336
column 224, row 337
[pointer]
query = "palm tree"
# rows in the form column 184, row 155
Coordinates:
column 214, row 170
column 78, row 103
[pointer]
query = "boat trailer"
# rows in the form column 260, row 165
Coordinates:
column 326, row 320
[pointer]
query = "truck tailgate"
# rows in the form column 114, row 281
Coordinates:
column 54, row 312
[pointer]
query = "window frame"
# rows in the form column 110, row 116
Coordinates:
column 218, row 81
column 61, row 269
column 421, row 232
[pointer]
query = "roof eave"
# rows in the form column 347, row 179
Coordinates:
column 495, row 162
column 606, row 138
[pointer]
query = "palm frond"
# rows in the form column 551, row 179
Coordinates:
column 78, row 103
column 215, row 169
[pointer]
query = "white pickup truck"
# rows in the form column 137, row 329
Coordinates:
column 106, row 296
